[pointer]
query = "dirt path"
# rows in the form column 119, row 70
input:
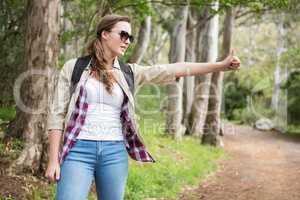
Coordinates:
column 262, row 166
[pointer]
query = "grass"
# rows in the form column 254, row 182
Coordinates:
column 6, row 198
column 7, row 113
column 14, row 146
column 178, row 165
column 293, row 129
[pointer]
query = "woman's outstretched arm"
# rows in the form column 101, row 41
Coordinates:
column 167, row 73
column 231, row 62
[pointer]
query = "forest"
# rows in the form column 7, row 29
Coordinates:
column 215, row 136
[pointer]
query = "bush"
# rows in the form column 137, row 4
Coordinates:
column 244, row 116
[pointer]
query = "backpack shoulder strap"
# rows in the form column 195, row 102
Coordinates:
column 80, row 65
column 128, row 74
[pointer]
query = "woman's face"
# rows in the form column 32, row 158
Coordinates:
column 115, row 41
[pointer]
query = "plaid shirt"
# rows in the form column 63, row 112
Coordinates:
column 134, row 145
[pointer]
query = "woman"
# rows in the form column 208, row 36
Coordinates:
column 97, row 119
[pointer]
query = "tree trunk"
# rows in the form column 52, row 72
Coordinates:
column 213, row 119
column 189, row 81
column 32, row 86
column 208, row 47
column 142, row 43
column 279, row 97
column 159, row 37
column 174, row 91
column 69, row 49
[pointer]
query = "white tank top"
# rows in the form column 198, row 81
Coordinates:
column 103, row 120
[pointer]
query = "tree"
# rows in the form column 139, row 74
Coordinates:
column 41, row 53
column 208, row 48
column 213, row 119
column 174, row 91
column 279, row 97
column 143, row 40
column 190, row 56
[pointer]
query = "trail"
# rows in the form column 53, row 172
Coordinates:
column 261, row 166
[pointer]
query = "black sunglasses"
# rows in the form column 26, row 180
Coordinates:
column 124, row 35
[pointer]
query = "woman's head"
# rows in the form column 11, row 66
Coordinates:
column 112, row 38
column 114, row 32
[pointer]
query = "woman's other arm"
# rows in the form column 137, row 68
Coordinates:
column 53, row 167
column 55, row 119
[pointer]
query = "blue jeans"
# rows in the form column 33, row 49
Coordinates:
column 104, row 161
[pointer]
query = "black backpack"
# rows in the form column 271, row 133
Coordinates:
column 82, row 63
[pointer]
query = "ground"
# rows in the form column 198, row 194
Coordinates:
column 261, row 166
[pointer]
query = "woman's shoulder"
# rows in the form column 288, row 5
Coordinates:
column 68, row 67
column 69, row 64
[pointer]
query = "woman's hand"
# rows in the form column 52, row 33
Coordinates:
column 231, row 62
column 53, row 171
column 53, row 167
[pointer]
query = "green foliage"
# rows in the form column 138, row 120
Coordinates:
column 251, row 114
column 150, row 100
column 248, row 93
column 13, row 146
column 6, row 198
column 11, row 149
column 294, row 129
column 12, row 37
column 61, row 60
column 37, row 194
column 53, row 192
column 138, row 8
column 7, row 113
column 235, row 94
column 85, row 14
column 246, row 89
column 254, row 5
column 291, row 57
column 258, row 4
column 293, row 87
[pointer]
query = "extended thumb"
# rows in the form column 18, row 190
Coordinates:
column 232, row 52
